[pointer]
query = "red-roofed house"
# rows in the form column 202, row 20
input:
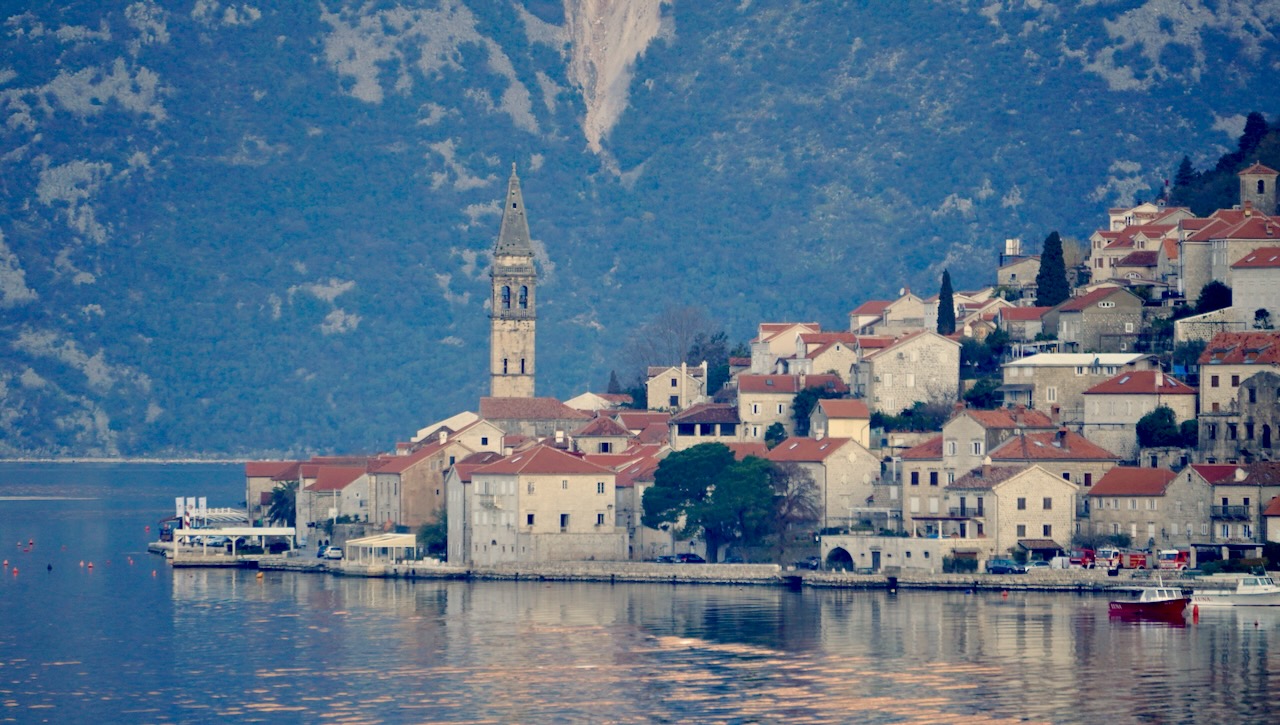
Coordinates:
column 260, row 479
column 843, row 470
column 333, row 491
column 410, row 490
column 1004, row 510
column 1020, row 274
column 841, row 418
column 1240, row 396
column 1021, row 323
column 1256, row 284
column 1153, row 506
column 459, row 500
column 542, row 505
column 705, row 423
column 919, row 367
column 676, row 387
column 774, row 340
column 766, row 399
column 1108, row 319
column 532, row 417
column 1239, row 495
column 863, row 318
column 1113, row 407
column 602, row 435
column 1067, row 454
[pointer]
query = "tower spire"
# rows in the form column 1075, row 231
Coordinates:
column 513, row 239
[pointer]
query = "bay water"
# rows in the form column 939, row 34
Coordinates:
column 130, row 639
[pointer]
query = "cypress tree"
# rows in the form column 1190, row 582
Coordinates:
column 1051, row 280
column 1185, row 175
column 946, row 306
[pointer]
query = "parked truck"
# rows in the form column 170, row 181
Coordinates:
column 1173, row 559
column 1083, row 558
column 1122, row 559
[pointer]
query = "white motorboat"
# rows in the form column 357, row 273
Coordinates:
column 1250, row 591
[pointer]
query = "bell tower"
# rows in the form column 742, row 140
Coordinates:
column 513, row 311
column 1258, row 187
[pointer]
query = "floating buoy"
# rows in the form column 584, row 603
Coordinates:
column 31, row 542
column 1004, row 594
column 148, row 529
column 91, row 565
column 50, row 567
column 15, row 571
column 153, row 572
column 259, row 576
column 1195, row 613
column 6, row 563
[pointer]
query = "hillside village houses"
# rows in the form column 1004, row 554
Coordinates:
column 528, row 479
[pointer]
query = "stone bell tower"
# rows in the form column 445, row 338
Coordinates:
column 513, row 312
column 1258, row 187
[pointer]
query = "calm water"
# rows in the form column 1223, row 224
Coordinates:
column 131, row 640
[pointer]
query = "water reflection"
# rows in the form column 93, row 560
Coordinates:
column 147, row 643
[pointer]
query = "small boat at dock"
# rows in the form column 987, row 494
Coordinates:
column 1158, row 602
column 1250, row 591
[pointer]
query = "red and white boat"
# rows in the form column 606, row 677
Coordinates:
column 1158, row 602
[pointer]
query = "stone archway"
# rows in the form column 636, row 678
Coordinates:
column 840, row 560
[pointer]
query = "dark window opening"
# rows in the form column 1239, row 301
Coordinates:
column 506, row 298
column 524, row 297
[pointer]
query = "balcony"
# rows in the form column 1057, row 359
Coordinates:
column 488, row 500
column 966, row 512
column 1231, row 513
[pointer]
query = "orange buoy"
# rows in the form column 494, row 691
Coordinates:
column 15, row 571
column 91, row 565
column 1004, row 594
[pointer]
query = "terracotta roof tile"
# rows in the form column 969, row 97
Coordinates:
column 267, row 469
column 1076, row 304
column 1240, row 348
column 1131, row 481
column 985, row 477
column 928, row 450
column 1010, row 418
column 746, row 449
column 335, row 478
column 541, row 460
column 654, row 433
column 1264, row 258
column 603, row 426
column 1140, row 258
column 637, row 420
column 1263, row 473
column 844, row 408
column 806, row 449
column 528, row 409
column 1142, row 382
column 1216, row 473
column 1022, row 314
column 708, row 413
column 1273, row 508
column 782, row 384
column 872, row 307
column 1051, row 445
column 1258, row 168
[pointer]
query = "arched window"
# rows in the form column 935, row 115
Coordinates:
column 506, row 298
column 524, row 297
column 1262, row 186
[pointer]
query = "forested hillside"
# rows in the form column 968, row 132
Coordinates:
column 254, row 228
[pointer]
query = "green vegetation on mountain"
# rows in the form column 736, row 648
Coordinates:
column 1219, row 187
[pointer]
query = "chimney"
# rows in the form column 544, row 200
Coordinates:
column 559, row 438
column 1248, row 209
column 444, row 436
column 1060, row 438
column 1159, row 378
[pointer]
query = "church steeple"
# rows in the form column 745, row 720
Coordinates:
column 513, row 308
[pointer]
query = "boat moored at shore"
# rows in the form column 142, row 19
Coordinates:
column 1250, row 591
column 1156, row 603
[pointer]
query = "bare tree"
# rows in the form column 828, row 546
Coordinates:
column 1073, row 252
column 795, row 496
column 667, row 338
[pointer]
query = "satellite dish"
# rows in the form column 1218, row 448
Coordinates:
column 902, row 291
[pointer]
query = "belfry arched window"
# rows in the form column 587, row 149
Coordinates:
column 524, row 297
column 1262, row 186
column 506, row 298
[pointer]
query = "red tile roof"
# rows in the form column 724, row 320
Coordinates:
column 872, row 307
column 782, row 384
column 844, row 408
column 1076, row 304
column 827, row 382
column 1258, row 168
column 528, row 409
column 744, row 450
column 1142, row 382
column 1264, row 258
column 1264, row 473
column 603, row 426
column 806, row 449
column 1022, row 314
column 654, row 433
column 1241, row 348
column 740, row 362
column 874, row 342
column 542, row 460
column 1141, row 258
column 1216, row 473
column 468, row 465
column 1009, row 418
column 335, row 478
column 1273, row 508
column 267, row 469
column 1051, row 445
column 928, row 450
column 1130, row 481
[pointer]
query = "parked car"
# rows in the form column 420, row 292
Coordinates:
column 1037, row 565
column 320, row 552
column 333, row 552
column 1005, row 566
column 812, row 563
column 666, row 559
column 689, row 559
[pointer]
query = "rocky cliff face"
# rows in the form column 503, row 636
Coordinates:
column 249, row 227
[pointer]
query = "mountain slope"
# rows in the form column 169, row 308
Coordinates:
column 235, row 228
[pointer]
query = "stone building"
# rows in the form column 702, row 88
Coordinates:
column 1066, row 454
column 832, row 418
column 843, row 470
column 676, row 387
column 919, row 367
column 260, row 479
column 1113, row 407
column 776, row 340
column 604, row 435
column 1055, row 382
column 1108, row 319
column 1239, row 496
column 705, row 423
column 531, row 417
column 1022, row 324
column 1155, row 507
column 1020, row 275
column 513, row 312
column 1238, row 415
column 764, row 400
column 1256, row 284
column 541, row 505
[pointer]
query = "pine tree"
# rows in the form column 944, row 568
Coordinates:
column 615, row 387
column 1255, row 129
column 1185, row 175
column 1051, row 281
column 946, row 306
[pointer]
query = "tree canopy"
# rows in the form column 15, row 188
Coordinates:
column 1159, row 429
column 703, row 491
column 284, row 504
column 1052, row 287
column 1213, row 296
column 946, row 306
